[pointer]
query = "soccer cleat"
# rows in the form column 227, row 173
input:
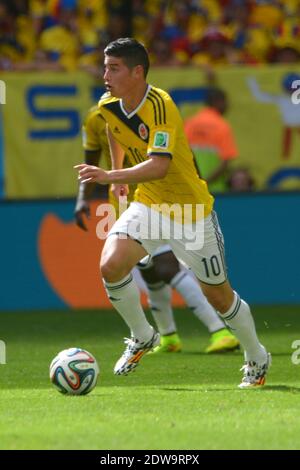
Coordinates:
column 255, row 374
column 222, row 341
column 133, row 353
column 168, row 344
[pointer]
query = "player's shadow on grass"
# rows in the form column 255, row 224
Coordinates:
column 236, row 353
column 199, row 390
column 280, row 388
column 202, row 353
column 281, row 354
column 267, row 388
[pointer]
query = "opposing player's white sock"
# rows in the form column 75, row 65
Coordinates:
column 240, row 321
column 160, row 304
column 125, row 297
column 190, row 290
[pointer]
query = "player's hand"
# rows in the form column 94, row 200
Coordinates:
column 119, row 190
column 82, row 209
column 91, row 174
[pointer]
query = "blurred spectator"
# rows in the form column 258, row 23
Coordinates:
column 162, row 55
column 286, row 36
column 286, row 55
column 211, row 139
column 174, row 30
column 70, row 34
column 117, row 27
column 214, row 49
column 61, row 42
column 240, row 180
column 267, row 13
column 16, row 39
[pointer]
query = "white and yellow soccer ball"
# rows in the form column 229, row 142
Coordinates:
column 74, row 371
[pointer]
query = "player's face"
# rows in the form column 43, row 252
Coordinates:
column 118, row 78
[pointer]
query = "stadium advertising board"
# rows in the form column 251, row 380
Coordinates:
column 41, row 141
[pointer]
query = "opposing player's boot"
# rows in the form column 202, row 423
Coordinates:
column 168, row 344
column 222, row 341
column 133, row 353
column 255, row 374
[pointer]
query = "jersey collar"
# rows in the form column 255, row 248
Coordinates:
column 129, row 115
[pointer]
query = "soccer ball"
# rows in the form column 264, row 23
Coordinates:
column 74, row 371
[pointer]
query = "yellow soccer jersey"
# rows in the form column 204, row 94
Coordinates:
column 94, row 136
column 155, row 127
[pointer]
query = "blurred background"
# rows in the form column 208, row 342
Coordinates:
column 232, row 67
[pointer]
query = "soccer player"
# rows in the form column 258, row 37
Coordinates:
column 145, row 124
column 163, row 270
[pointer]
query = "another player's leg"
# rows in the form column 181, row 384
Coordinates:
column 164, row 269
column 160, row 301
column 118, row 258
column 221, row 339
column 159, row 296
column 167, row 269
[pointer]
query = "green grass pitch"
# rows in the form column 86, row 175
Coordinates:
column 173, row 401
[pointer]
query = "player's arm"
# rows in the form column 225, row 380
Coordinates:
column 259, row 95
column 85, row 190
column 160, row 146
column 155, row 168
column 159, row 152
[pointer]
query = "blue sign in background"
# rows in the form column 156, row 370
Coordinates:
column 262, row 235
column 1, row 156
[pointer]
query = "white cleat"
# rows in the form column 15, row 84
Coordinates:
column 255, row 374
column 133, row 353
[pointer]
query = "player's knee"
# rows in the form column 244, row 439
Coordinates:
column 111, row 269
column 166, row 267
column 165, row 273
column 149, row 275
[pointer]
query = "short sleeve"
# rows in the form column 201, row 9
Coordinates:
column 91, row 130
column 161, row 141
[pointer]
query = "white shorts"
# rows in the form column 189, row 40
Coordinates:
column 147, row 261
column 203, row 254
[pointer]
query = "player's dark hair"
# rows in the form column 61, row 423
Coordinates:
column 214, row 95
column 131, row 51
